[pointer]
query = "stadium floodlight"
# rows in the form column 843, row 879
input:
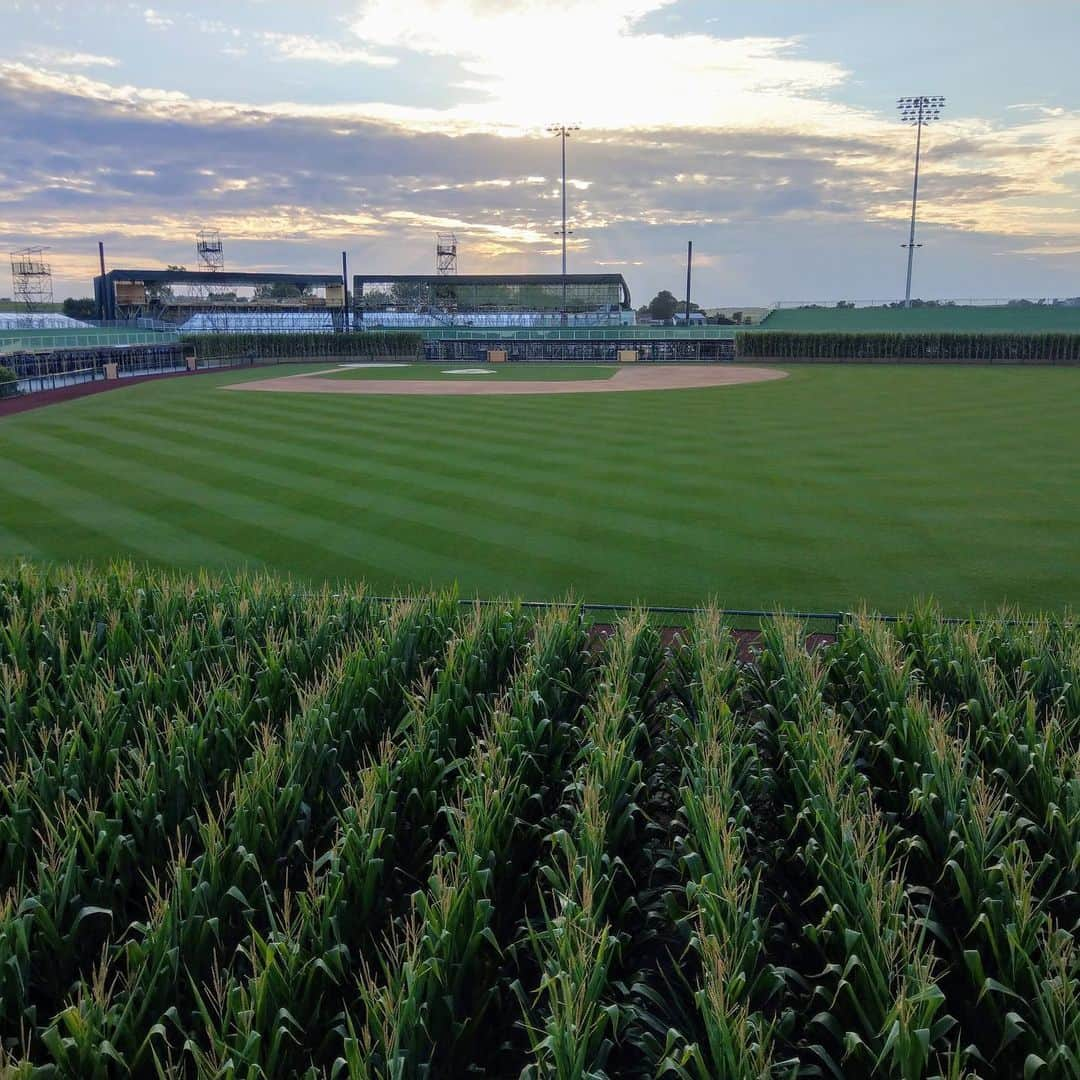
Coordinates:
column 918, row 111
column 563, row 131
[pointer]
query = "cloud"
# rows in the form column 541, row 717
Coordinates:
column 527, row 62
column 320, row 50
column 738, row 143
column 156, row 19
column 59, row 58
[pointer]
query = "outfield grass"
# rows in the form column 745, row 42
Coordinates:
column 836, row 485
column 431, row 372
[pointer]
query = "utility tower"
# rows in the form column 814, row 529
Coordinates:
column 31, row 278
column 210, row 251
column 445, row 253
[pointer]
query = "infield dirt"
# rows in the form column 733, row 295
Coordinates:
column 645, row 377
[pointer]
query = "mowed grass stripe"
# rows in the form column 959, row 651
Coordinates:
column 231, row 509
column 701, row 483
column 314, row 522
column 689, row 480
column 603, row 544
column 544, row 488
column 409, row 413
column 12, row 542
column 405, row 461
column 500, row 542
column 133, row 532
column 475, row 492
column 833, row 485
column 781, row 530
column 560, row 474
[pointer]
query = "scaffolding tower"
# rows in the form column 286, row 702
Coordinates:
column 31, row 278
column 445, row 253
column 209, row 248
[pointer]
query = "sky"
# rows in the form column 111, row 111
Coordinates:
column 766, row 133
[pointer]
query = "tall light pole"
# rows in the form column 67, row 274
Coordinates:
column 563, row 131
column 919, row 111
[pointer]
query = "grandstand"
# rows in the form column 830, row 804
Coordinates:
column 13, row 321
column 223, row 301
column 491, row 300
column 528, row 317
column 1022, row 318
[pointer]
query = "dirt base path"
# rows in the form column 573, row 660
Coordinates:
column 638, row 377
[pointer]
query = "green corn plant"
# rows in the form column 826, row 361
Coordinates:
column 258, row 814
column 1054, row 973
column 16, row 931
column 455, row 914
column 77, row 1040
column 970, row 827
column 721, row 774
column 407, row 783
column 261, row 1018
column 1014, row 937
column 570, row 1020
column 879, row 992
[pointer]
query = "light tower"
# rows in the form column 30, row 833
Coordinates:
column 919, row 111
column 31, row 278
column 445, row 253
column 563, row 131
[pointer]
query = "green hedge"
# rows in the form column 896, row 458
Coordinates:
column 7, row 375
column 917, row 347
column 263, row 346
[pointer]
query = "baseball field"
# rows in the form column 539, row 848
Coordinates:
column 831, row 487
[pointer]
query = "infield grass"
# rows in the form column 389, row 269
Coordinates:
column 836, row 485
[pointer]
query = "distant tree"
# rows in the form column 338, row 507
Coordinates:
column 161, row 290
column 663, row 306
column 373, row 299
column 405, row 293
column 279, row 290
column 84, row 308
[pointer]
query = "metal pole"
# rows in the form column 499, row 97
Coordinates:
column 689, row 262
column 914, row 206
column 345, row 291
column 564, row 204
column 563, row 140
column 102, row 301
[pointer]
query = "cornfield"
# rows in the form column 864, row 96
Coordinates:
column 249, row 831
column 915, row 346
column 370, row 343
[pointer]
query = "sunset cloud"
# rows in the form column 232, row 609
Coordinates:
column 397, row 119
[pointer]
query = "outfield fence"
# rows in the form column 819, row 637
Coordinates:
column 826, row 623
column 55, row 369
